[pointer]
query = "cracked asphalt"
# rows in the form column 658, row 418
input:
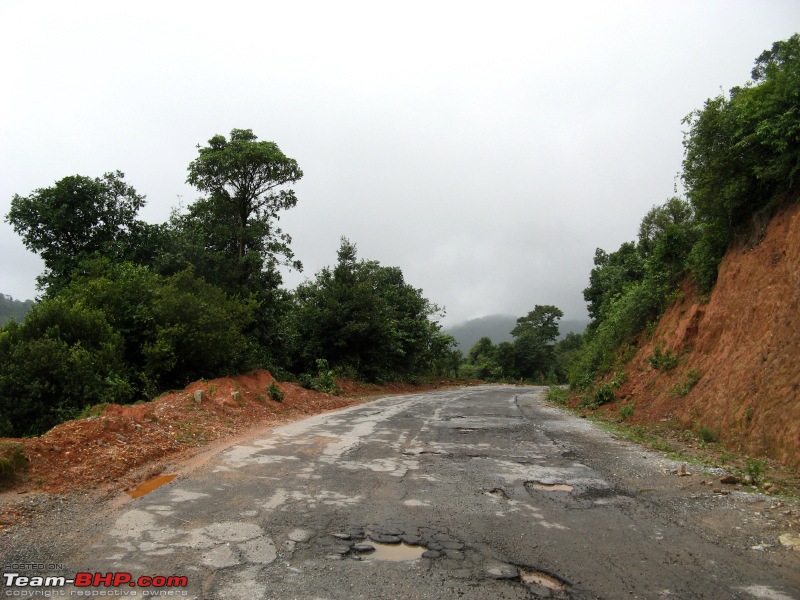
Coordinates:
column 479, row 492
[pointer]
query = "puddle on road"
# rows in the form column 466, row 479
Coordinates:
column 549, row 487
column 150, row 485
column 531, row 577
column 394, row 552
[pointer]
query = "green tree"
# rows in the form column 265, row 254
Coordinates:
column 362, row 316
column 534, row 336
column 76, row 218
column 236, row 224
column 742, row 153
column 482, row 361
column 610, row 276
column 564, row 352
column 174, row 329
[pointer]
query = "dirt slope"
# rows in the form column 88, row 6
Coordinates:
column 125, row 445
column 743, row 343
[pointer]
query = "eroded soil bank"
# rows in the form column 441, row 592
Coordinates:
column 738, row 372
column 124, row 445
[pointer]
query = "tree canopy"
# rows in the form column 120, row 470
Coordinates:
column 76, row 218
column 362, row 316
column 244, row 179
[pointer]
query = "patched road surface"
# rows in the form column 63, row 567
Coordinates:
column 481, row 492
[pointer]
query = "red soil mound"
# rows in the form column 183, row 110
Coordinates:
column 743, row 344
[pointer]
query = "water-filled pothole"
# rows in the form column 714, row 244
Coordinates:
column 394, row 552
column 150, row 485
column 533, row 577
column 549, row 487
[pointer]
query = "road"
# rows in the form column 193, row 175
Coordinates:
column 481, row 492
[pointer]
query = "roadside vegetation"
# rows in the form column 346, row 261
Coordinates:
column 699, row 447
column 741, row 163
column 131, row 309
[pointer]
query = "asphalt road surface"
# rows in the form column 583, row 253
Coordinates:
column 481, row 492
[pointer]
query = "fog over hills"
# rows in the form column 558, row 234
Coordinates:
column 498, row 329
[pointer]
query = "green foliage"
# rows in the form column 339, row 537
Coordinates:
column 604, row 394
column 364, row 316
column 663, row 361
column 324, row 381
column 557, row 394
column 93, row 411
column 742, row 152
column 755, row 468
column 613, row 273
column 691, row 379
column 236, row 225
column 534, row 337
column 626, row 411
column 274, row 392
column 708, row 435
column 12, row 461
column 532, row 355
column 619, row 379
column 175, row 329
column 64, row 355
column 564, row 354
column 75, row 219
column 742, row 158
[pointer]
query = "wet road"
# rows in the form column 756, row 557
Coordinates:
column 481, row 492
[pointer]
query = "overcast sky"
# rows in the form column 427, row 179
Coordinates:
column 484, row 148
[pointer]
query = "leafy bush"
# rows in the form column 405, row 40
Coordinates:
column 275, row 392
column 755, row 468
column 324, row 381
column 174, row 329
column 604, row 394
column 62, row 357
column 663, row 361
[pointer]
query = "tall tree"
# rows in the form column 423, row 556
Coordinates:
column 364, row 316
column 534, row 337
column 76, row 218
column 244, row 179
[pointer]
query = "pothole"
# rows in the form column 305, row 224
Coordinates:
column 548, row 487
column 389, row 552
column 498, row 493
column 540, row 578
column 150, row 485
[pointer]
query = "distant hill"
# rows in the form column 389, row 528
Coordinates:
column 13, row 310
column 498, row 329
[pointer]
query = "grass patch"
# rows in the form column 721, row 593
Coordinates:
column 641, row 434
column 557, row 394
column 626, row 411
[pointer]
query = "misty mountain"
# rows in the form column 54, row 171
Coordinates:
column 498, row 329
column 13, row 310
